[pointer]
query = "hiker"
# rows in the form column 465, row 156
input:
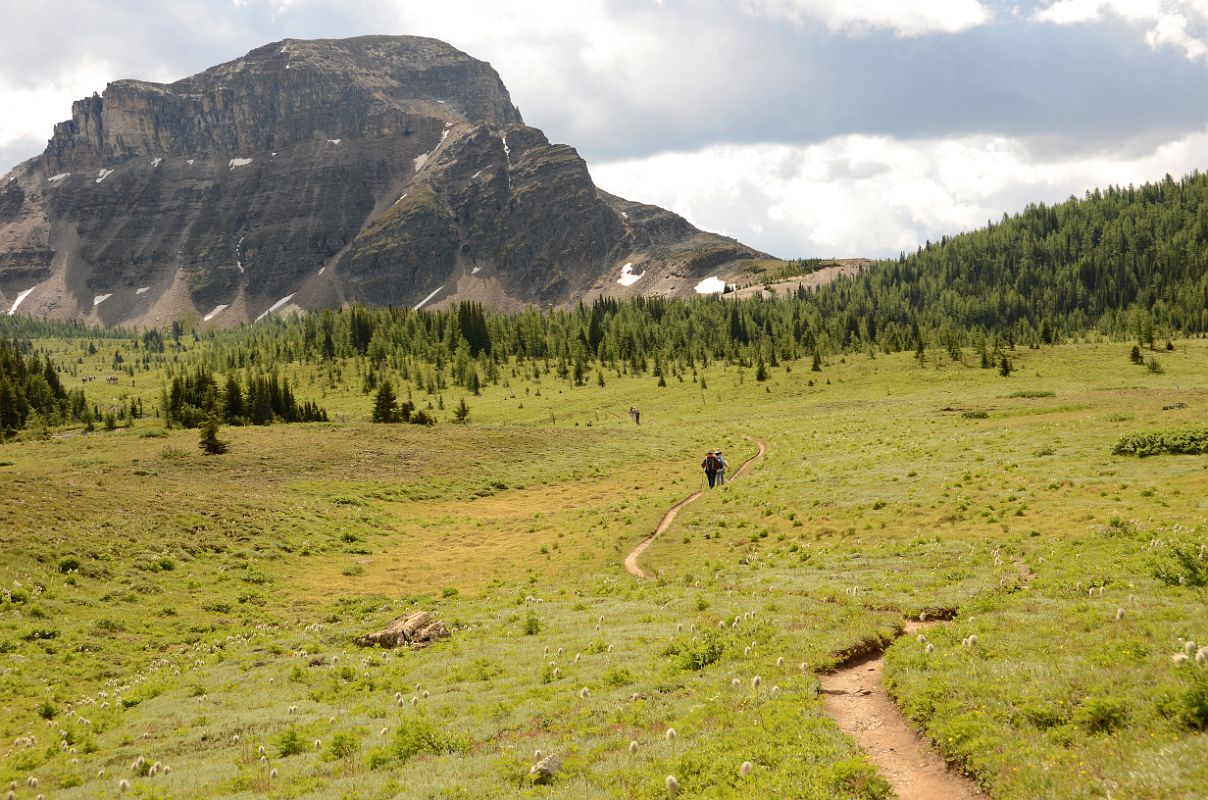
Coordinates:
column 635, row 415
column 721, row 468
column 710, row 467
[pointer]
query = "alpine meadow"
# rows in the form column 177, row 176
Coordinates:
column 351, row 447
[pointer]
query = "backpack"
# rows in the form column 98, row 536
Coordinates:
column 710, row 464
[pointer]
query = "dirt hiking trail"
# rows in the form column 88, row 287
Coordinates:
column 631, row 560
column 854, row 696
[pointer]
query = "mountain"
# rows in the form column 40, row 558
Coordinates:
column 310, row 174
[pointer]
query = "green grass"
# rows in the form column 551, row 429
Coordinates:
column 176, row 601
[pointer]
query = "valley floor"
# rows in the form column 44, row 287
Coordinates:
column 200, row 612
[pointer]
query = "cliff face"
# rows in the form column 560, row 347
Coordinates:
column 387, row 170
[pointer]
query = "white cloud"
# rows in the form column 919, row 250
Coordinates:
column 574, row 67
column 28, row 109
column 904, row 17
column 873, row 196
column 1181, row 24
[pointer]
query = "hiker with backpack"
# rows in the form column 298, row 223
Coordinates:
column 720, row 480
column 710, row 465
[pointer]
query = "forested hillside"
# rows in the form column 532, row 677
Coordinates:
column 1124, row 261
column 30, row 388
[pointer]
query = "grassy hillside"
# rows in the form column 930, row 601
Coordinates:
column 191, row 610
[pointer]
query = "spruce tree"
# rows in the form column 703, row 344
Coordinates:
column 462, row 413
column 210, row 444
column 10, row 411
column 384, row 404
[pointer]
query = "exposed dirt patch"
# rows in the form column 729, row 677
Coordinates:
column 842, row 268
column 854, row 696
column 934, row 613
column 860, row 652
column 1025, row 572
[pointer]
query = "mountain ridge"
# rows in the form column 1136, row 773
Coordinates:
column 314, row 173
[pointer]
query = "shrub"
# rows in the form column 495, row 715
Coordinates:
column 699, row 652
column 532, row 625
column 342, row 746
column 618, row 676
column 109, row 625
column 975, row 414
column 1179, row 441
column 69, row 564
column 1101, row 714
column 417, row 737
column 290, row 743
column 1191, row 707
column 1117, row 527
column 1043, row 716
column 1179, row 563
column 1032, row 395
column 40, row 634
column 252, row 575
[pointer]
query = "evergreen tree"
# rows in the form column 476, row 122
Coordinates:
column 210, row 444
column 462, row 413
column 233, row 400
column 384, row 404
column 11, row 418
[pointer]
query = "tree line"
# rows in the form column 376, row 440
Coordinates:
column 30, row 390
column 195, row 398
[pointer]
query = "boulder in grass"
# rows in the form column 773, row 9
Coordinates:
column 417, row 629
column 545, row 769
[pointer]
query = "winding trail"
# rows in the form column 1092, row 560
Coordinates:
column 631, row 560
column 855, row 697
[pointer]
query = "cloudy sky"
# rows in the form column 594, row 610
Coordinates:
column 804, row 127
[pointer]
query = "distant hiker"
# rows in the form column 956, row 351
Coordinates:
column 710, row 465
column 635, row 415
column 721, row 468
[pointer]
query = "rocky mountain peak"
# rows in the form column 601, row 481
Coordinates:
column 283, row 94
column 307, row 174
